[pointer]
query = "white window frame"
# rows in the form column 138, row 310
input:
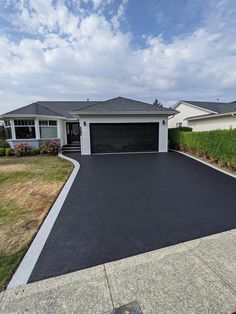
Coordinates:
column 179, row 124
column 24, row 125
column 47, row 125
column 9, row 126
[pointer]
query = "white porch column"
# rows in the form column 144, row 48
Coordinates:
column 37, row 131
column 59, row 127
column 13, row 132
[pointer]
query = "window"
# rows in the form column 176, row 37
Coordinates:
column 8, row 129
column 48, row 128
column 52, row 123
column 25, row 129
column 7, row 123
column 24, row 122
column 179, row 125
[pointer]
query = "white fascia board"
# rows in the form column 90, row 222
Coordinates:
column 135, row 113
column 31, row 116
column 75, row 119
column 233, row 114
column 194, row 106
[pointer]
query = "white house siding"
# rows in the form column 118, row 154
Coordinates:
column 85, row 137
column 217, row 123
column 61, row 127
column 185, row 111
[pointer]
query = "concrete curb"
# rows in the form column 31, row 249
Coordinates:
column 26, row 266
column 205, row 163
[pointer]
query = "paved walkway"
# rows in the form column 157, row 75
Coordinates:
column 198, row 276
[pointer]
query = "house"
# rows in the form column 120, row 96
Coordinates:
column 111, row 126
column 204, row 116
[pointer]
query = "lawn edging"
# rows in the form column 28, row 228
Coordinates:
column 24, row 270
column 205, row 163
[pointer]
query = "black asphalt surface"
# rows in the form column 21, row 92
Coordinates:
column 123, row 205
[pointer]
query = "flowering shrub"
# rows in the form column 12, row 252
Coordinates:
column 50, row 146
column 22, row 149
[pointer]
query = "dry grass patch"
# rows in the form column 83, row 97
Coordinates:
column 31, row 202
column 13, row 168
column 28, row 188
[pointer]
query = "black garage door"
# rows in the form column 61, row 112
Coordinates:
column 124, row 137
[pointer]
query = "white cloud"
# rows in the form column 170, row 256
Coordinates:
column 98, row 3
column 120, row 15
column 84, row 55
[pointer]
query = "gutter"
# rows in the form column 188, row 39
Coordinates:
column 163, row 113
column 30, row 116
column 233, row 114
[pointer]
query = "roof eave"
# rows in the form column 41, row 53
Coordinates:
column 163, row 113
column 233, row 113
column 194, row 106
column 6, row 116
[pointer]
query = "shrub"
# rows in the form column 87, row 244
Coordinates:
column 34, row 151
column 42, row 151
column 4, row 144
column 2, row 151
column 8, row 151
column 50, row 146
column 174, row 136
column 22, row 149
column 2, row 133
column 218, row 146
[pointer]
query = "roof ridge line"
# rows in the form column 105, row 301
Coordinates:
column 110, row 99
column 47, row 109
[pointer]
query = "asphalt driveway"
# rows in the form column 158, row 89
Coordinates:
column 123, row 205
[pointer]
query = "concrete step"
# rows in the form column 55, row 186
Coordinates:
column 72, row 145
column 71, row 148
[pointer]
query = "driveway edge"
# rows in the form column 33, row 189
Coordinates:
column 205, row 163
column 24, row 270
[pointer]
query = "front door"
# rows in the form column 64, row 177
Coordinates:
column 73, row 133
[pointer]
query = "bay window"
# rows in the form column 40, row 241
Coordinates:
column 25, row 129
column 8, row 129
column 48, row 128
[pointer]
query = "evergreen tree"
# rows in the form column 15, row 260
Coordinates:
column 157, row 103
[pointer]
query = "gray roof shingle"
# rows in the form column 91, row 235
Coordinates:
column 217, row 107
column 67, row 108
column 33, row 109
column 51, row 108
column 123, row 105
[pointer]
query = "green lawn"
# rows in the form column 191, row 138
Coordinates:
column 28, row 188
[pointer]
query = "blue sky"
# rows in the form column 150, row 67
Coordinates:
column 97, row 49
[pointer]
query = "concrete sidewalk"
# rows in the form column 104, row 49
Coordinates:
column 194, row 277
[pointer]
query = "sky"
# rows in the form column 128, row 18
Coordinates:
column 99, row 49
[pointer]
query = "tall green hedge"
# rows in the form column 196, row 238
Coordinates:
column 218, row 145
column 174, row 136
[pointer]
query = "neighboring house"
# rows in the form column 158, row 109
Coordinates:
column 204, row 116
column 114, row 125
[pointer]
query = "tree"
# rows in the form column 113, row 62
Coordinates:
column 157, row 103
